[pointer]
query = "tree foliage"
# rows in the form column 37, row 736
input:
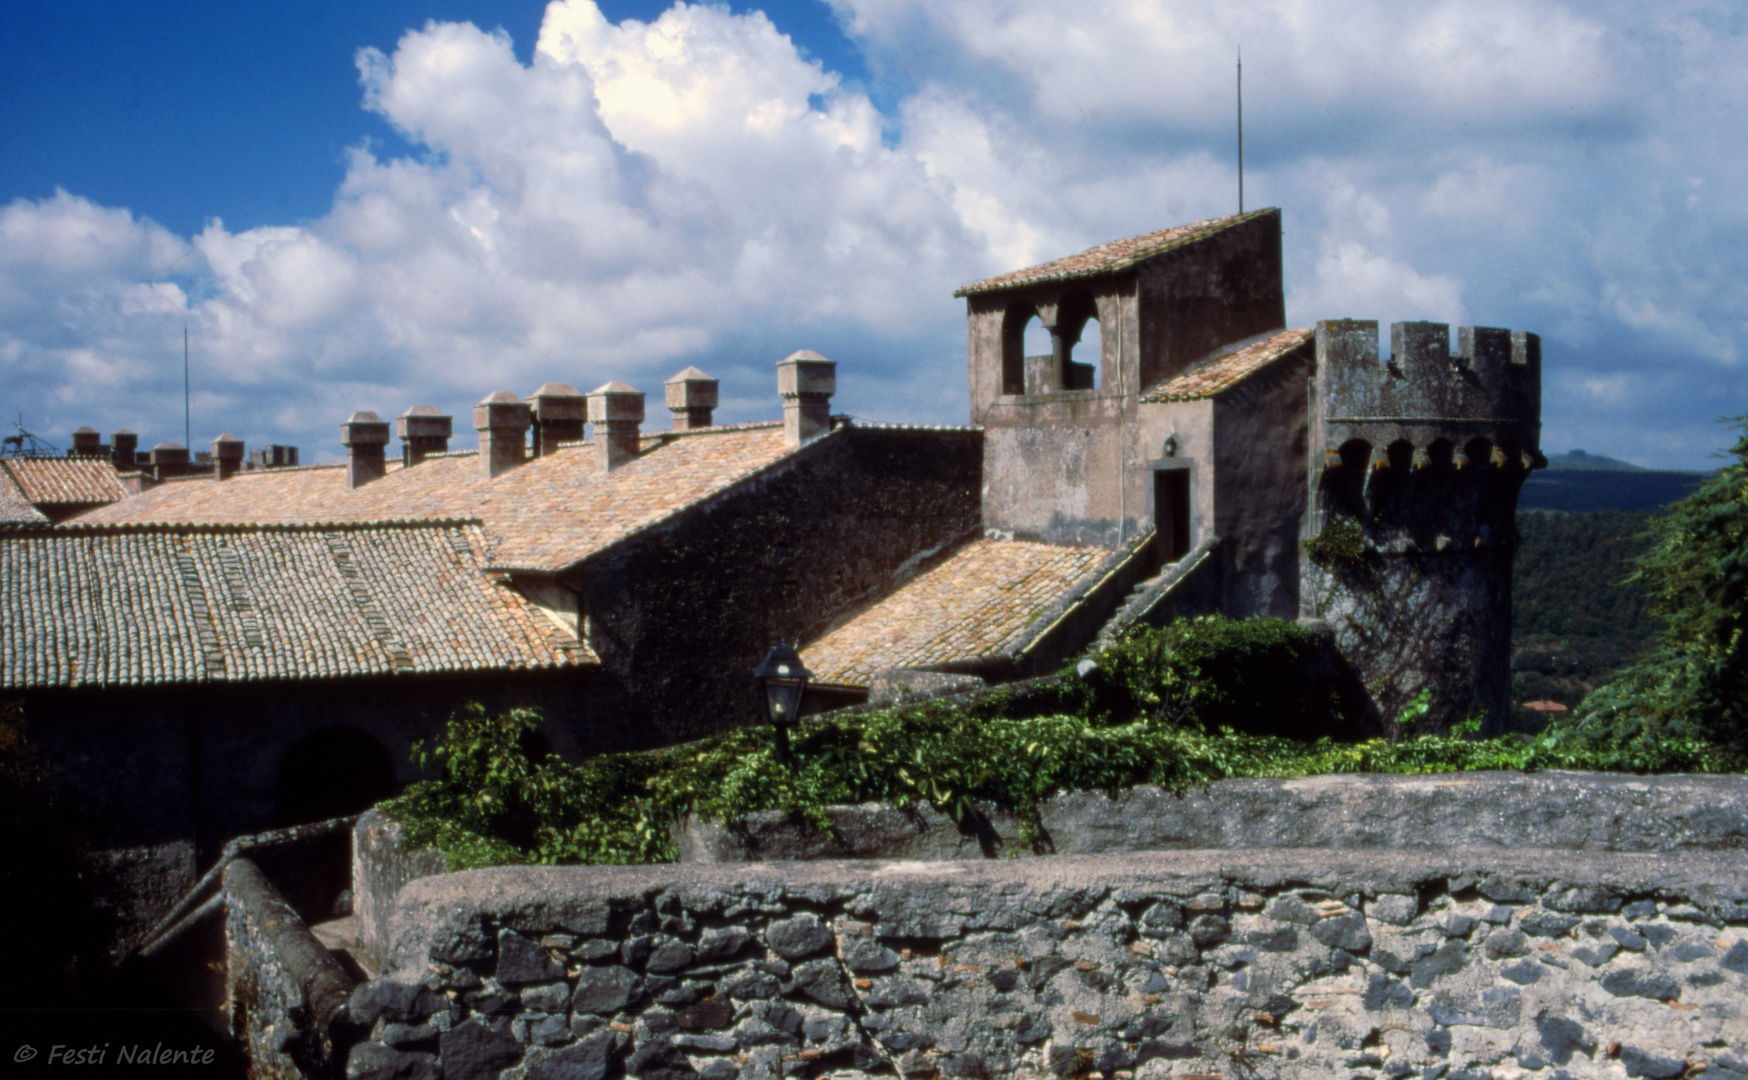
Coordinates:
column 1693, row 683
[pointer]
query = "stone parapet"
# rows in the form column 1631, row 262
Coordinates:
column 287, row 993
column 1593, row 812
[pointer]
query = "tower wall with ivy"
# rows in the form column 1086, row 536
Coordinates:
column 1416, row 463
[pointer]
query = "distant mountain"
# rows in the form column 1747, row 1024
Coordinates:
column 1578, row 459
column 1581, row 483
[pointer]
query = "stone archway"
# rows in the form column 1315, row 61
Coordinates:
column 331, row 773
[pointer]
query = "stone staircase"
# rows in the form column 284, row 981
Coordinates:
column 1149, row 594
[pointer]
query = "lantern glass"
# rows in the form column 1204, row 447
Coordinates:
column 783, row 699
column 785, row 678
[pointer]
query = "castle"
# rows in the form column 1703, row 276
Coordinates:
column 225, row 652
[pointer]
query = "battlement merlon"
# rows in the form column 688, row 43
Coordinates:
column 1488, row 387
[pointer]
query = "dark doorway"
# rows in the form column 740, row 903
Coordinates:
column 332, row 773
column 1171, row 512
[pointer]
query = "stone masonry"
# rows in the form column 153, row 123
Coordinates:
column 1462, row 963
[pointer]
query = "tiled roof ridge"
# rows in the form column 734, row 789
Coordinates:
column 789, row 455
column 1113, row 255
column 105, row 528
column 716, row 429
column 885, row 425
column 1221, row 371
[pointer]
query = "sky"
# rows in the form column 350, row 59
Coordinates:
column 425, row 201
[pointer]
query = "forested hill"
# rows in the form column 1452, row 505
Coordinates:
column 1573, row 621
column 1577, row 482
column 1582, row 490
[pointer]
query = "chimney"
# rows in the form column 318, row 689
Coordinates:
column 616, row 410
column 560, row 410
column 423, row 431
column 502, row 422
column 227, row 455
column 691, row 398
column 364, row 434
column 87, row 443
column 274, row 457
column 806, row 381
column 126, row 449
column 168, row 459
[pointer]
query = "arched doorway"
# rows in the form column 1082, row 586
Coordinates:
column 331, row 773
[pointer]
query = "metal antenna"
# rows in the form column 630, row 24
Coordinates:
column 187, row 439
column 1241, row 129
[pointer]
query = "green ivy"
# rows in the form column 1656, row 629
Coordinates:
column 1342, row 542
column 1154, row 711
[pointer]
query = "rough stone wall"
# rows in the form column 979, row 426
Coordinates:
column 381, row 866
column 287, row 993
column 1455, row 964
column 1420, row 460
column 1260, row 488
column 1056, row 468
column 1413, row 622
column 681, row 614
column 1222, row 289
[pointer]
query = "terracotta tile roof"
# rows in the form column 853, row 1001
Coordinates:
column 1116, row 255
column 545, row 515
column 988, row 598
column 65, row 480
column 15, row 509
column 131, row 607
column 1224, row 372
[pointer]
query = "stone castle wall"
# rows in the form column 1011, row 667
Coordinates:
column 1461, row 963
column 1453, row 926
column 1417, row 466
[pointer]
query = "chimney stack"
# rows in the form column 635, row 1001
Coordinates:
column 423, row 431
column 125, row 446
column 364, row 435
column 691, row 398
column 502, row 421
column 227, row 456
column 168, row 459
column 87, row 443
column 806, row 381
column 560, row 411
column 616, row 410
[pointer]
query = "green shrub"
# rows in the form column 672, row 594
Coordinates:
column 1152, row 712
column 1259, row 676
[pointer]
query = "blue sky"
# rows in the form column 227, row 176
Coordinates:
column 429, row 201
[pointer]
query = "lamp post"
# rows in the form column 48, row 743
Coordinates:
column 784, row 678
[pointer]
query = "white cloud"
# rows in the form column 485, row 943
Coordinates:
column 693, row 189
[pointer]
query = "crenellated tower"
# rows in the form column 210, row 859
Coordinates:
column 1415, row 466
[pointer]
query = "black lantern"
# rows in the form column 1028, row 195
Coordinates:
column 784, row 678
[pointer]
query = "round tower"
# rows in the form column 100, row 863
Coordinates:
column 1416, row 463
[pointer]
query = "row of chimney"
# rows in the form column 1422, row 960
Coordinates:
column 556, row 413
column 166, row 460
